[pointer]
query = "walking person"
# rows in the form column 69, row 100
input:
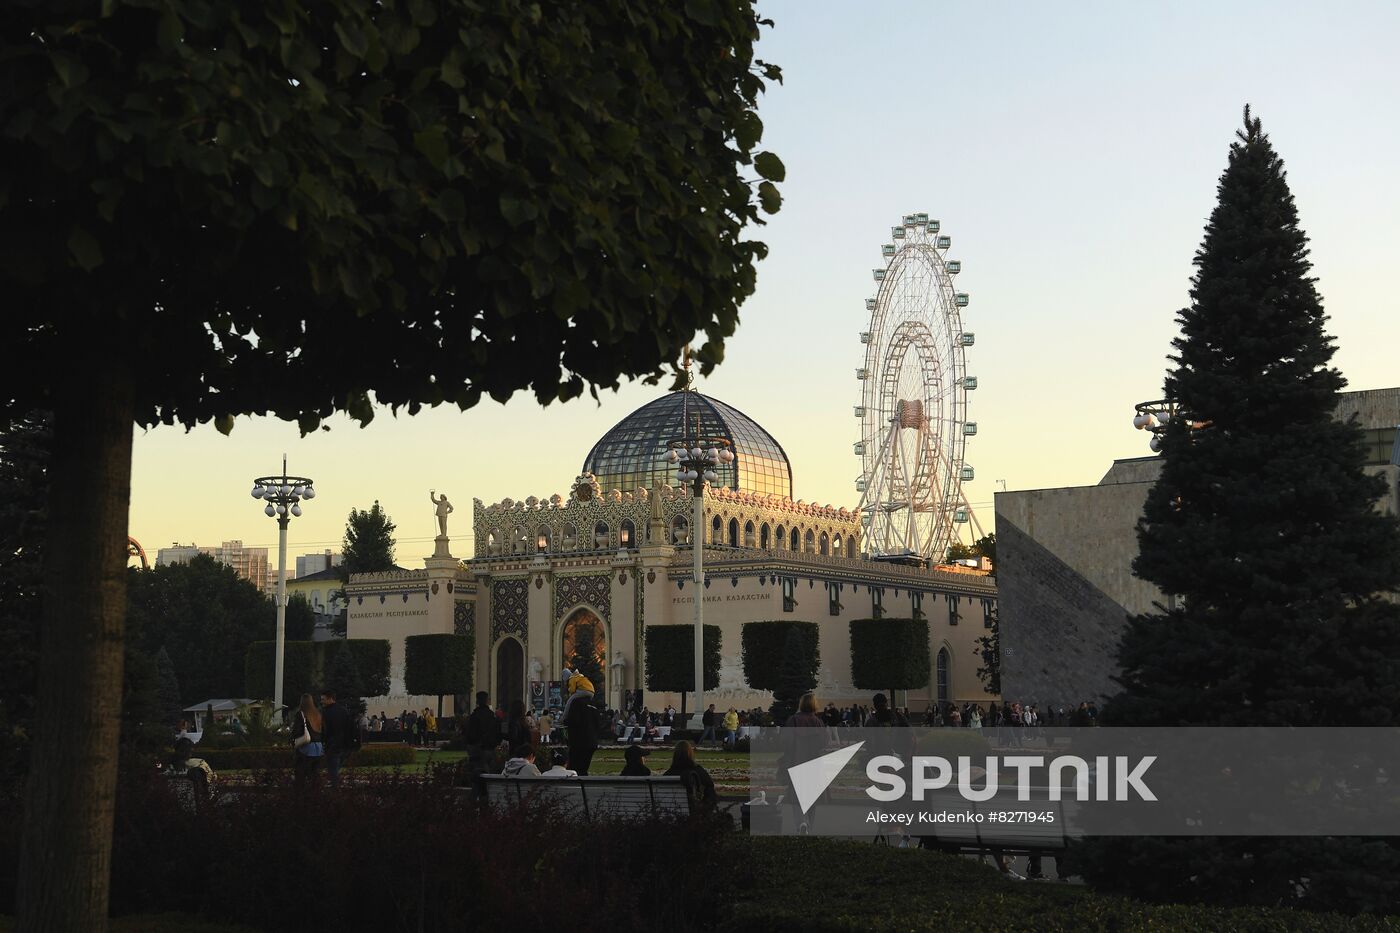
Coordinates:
column 338, row 734
column 307, row 746
column 708, row 721
column 804, row 738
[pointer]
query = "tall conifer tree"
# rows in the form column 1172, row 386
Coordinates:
column 1263, row 525
column 1263, row 530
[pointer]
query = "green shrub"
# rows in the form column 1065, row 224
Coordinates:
column 372, row 664
column 762, row 650
column 889, row 654
column 670, row 652
column 436, row 665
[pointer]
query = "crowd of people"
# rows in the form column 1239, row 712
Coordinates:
column 422, row 726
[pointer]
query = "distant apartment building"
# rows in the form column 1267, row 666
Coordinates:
column 307, row 564
column 250, row 563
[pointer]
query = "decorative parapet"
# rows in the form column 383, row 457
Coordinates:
column 722, row 562
column 389, row 577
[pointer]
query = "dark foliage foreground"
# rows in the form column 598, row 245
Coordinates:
column 385, row 856
column 399, row 855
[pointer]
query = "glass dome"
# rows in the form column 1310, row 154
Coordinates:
column 632, row 453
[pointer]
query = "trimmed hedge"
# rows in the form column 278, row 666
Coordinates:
column 301, row 669
column 889, row 654
column 762, row 650
column 266, row 759
column 436, row 665
column 304, row 666
column 671, row 657
column 371, row 663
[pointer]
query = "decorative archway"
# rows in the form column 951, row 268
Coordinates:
column 581, row 627
column 510, row 672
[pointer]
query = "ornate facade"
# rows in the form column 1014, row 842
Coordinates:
column 608, row 562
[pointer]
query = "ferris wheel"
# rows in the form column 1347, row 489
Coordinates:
column 913, row 407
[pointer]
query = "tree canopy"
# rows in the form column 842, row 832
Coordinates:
column 302, row 209
column 311, row 206
column 439, row 664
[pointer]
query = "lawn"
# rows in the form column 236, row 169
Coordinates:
column 729, row 769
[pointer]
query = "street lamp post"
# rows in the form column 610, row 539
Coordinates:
column 695, row 460
column 283, row 495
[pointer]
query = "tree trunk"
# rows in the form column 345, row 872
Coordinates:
column 66, row 847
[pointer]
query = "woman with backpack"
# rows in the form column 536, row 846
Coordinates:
column 306, row 741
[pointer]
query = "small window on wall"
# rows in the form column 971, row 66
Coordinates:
column 716, row 535
column 571, row 540
column 542, row 538
column 789, row 599
column 918, row 600
column 628, row 533
column 836, row 547
column 748, row 542
column 833, row 598
column 600, row 535
column 679, row 531
column 877, row 599
column 792, row 545
column 809, row 547
column 823, row 548
column 733, row 542
column 781, row 536
column 953, row 610
column 763, row 540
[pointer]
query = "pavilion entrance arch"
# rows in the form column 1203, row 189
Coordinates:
column 579, row 626
column 509, row 673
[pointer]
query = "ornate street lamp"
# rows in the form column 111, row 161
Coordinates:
column 283, row 495
column 696, row 459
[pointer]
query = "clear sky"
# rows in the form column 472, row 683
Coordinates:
column 1072, row 153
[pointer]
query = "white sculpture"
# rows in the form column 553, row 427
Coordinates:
column 536, row 670
column 444, row 509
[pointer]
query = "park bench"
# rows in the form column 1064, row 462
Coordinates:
column 592, row 798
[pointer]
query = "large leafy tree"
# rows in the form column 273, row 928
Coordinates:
column 225, row 209
column 205, row 616
column 368, row 546
column 1263, row 529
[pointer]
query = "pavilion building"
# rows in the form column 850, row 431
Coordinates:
column 614, row 556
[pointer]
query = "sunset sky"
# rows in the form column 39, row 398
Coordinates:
column 1072, row 153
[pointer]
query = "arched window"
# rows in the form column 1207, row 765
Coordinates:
column 493, row 542
column 601, row 536
column 570, row 538
column 794, row 543
column 680, row 530
column 518, row 545
column 716, row 536
column 628, row 534
column 809, row 543
column 748, row 542
column 543, row 539
column 781, row 539
column 836, row 546
column 733, row 539
column 764, row 539
column 943, row 688
column 823, row 547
